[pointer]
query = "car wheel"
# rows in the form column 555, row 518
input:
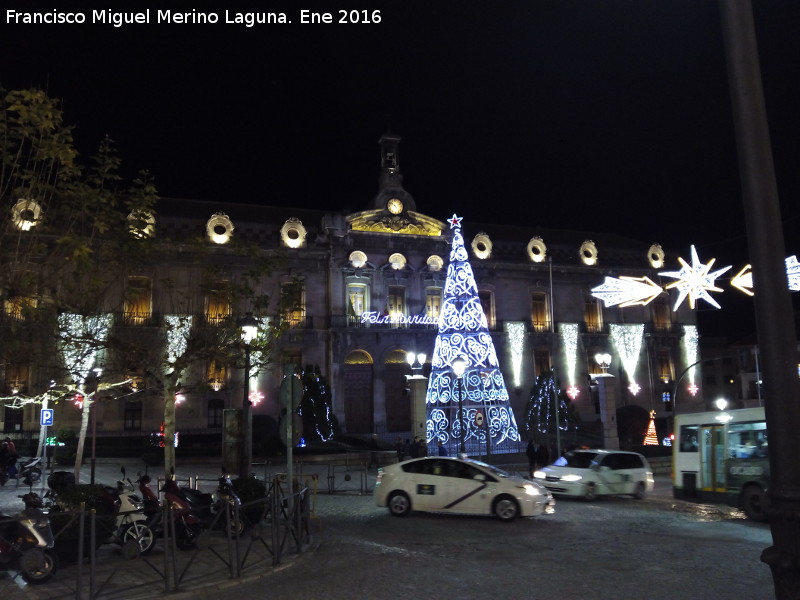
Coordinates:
column 640, row 492
column 590, row 491
column 755, row 503
column 505, row 508
column 399, row 504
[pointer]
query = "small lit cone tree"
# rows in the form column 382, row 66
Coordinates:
column 651, row 437
column 464, row 334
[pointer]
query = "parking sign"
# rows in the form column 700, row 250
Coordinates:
column 46, row 417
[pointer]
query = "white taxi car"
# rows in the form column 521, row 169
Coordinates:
column 453, row 485
column 591, row 473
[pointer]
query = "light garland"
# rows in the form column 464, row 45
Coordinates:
column 463, row 332
column 627, row 340
column 569, row 337
column 516, row 338
column 690, row 345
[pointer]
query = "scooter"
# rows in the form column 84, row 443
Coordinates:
column 188, row 526
column 29, row 471
column 26, row 542
column 131, row 521
column 209, row 507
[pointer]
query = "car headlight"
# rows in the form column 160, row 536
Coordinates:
column 539, row 475
column 532, row 490
column 571, row 477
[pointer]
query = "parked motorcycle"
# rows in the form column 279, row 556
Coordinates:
column 188, row 526
column 122, row 509
column 210, row 507
column 26, row 542
column 29, row 471
column 131, row 521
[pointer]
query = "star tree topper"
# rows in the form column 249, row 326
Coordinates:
column 455, row 222
column 695, row 281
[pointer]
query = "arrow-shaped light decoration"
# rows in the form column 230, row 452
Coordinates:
column 627, row 291
column 695, row 281
column 743, row 280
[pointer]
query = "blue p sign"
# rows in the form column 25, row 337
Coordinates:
column 46, row 418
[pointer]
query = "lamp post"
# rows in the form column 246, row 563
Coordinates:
column 249, row 327
column 416, row 386
column 459, row 365
column 607, row 399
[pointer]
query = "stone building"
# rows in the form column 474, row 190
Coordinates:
column 371, row 293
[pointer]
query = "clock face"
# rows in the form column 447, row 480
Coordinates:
column 395, row 206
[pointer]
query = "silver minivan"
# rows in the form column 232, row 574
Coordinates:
column 591, row 473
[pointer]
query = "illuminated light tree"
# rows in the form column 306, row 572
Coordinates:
column 80, row 338
column 316, row 408
column 547, row 412
column 651, row 438
column 464, row 333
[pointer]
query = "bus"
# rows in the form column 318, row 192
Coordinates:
column 723, row 456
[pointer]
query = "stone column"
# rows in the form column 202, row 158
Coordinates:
column 608, row 390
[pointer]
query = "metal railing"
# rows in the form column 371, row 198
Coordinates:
column 274, row 526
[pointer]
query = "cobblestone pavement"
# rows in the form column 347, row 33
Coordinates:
column 619, row 548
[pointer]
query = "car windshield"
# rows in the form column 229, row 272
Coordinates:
column 576, row 460
column 494, row 470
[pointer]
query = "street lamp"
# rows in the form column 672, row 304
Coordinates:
column 722, row 404
column 603, row 360
column 415, row 361
column 459, row 365
column 249, row 327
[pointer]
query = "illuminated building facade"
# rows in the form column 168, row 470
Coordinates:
column 372, row 291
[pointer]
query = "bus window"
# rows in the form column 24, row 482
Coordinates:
column 688, row 438
column 748, row 440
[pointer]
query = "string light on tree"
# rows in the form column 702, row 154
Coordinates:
column 695, row 281
column 463, row 332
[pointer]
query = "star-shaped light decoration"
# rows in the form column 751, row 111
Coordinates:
column 695, row 281
column 255, row 397
column 455, row 221
column 634, row 388
column 573, row 392
column 744, row 279
column 693, row 389
column 627, row 291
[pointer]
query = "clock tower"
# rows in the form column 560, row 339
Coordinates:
column 392, row 197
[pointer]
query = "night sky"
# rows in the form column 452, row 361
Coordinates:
column 597, row 115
